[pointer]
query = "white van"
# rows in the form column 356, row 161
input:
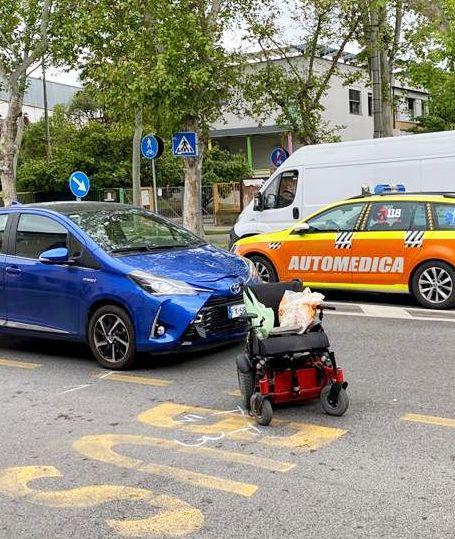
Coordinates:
column 314, row 176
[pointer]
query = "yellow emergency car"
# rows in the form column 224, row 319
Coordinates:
column 402, row 242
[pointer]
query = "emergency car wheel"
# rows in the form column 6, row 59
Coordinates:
column 334, row 406
column 111, row 338
column 246, row 386
column 433, row 285
column 265, row 269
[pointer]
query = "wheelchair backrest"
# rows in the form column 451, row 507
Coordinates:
column 270, row 294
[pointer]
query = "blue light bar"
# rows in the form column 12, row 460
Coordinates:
column 383, row 188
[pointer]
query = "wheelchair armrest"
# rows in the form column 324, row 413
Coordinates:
column 248, row 317
column 285, row 331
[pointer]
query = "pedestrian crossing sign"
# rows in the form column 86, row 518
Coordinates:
column 184, row 144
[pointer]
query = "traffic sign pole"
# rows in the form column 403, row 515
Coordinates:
column 155, row 198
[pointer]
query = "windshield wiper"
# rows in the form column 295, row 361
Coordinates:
column 138, row 248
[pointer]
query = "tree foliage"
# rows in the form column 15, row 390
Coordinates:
column 293, row 78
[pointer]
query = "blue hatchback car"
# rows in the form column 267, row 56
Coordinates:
column 118, row 277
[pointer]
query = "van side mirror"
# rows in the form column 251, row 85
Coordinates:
column 258, row 202
column 55, row 256
column 301, row 228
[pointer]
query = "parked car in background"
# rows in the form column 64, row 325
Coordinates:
column 118, row 277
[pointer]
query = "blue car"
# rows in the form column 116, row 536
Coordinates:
column 118, row 277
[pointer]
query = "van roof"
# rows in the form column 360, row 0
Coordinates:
column 371, row 150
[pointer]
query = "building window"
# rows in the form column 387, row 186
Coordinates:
column 370, row 104
column 411, row 104
column 424, row 106
column 355, row 106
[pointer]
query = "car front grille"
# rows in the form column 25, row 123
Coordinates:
column 212, row 320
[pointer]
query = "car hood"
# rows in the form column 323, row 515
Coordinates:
column 196, row 266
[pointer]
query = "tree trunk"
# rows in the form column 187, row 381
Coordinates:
column 192, row 202
column 10, row 142
column 375, row 63
column 386, row 96
column 46, row 113
column 136, row 169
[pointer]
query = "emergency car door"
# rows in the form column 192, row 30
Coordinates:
column 386, row 247
column 281, row 201
column 322, row 254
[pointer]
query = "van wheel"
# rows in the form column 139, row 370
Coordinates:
column 433, row 285
column 111, row 338
column 264, row 268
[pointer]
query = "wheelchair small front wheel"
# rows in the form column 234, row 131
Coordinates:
column 333, row 404
column 261, row 409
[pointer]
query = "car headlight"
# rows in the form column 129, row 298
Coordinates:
column 252, row 271
column 161, row 286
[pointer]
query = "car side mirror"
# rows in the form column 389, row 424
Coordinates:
column 301, row 228
column 55, row 256
column 258, row 202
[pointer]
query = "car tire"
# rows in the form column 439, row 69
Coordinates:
column 264, row 268
column 432, row 282
column 112, row 338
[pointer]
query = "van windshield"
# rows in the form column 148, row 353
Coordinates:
column 132, row 230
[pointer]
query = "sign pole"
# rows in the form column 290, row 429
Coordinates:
column 155, row 198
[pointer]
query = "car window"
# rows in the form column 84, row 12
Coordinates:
column 3, row 221
column 341, row 218
column 36, row 234
column 444, row 216
column 397, row 216
column 123, row 231
column 281, row 191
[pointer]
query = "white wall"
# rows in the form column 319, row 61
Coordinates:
column 34, row 113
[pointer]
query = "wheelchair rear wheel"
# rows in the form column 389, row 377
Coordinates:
column 246, row 386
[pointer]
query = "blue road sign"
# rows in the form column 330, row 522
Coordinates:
column 152, row 146
column 184, row 144
column 279, row 156
column 79, row 184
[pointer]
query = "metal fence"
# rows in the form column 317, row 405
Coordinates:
column 215, row 199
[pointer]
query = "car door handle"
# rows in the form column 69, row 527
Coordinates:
column 295, row 213
column 13, row 271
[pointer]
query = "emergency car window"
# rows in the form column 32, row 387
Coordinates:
column 341, row 218
column 281, row 192
column 3, row 220
column 397, row 216
column 36, row 234
column 444, row 216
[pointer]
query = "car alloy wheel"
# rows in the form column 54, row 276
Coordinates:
column 265, row 269
column 111, row 338
column 435, row 285
column 263, row 272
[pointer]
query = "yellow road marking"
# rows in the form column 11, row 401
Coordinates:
column 306, row 435
column 234, row 393
column 430, row 420
column 95, row 445
column 175, row 517
column 19, row 364
column 144, row 380
column 101, row 448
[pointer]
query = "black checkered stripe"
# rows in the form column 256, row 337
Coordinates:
column 414, row 238
column 343, row 240
column 275, row 245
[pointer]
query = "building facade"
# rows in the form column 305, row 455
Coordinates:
column 33, row 109
column 347, row 106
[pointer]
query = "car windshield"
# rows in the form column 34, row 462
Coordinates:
column 132, row 230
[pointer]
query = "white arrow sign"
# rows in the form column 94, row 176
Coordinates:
column 80, row 184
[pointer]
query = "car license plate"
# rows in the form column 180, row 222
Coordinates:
column 234, row 311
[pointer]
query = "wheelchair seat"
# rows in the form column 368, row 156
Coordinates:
column 290, row 344
column 270, row 294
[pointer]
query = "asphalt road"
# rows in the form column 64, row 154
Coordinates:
column 165, row 451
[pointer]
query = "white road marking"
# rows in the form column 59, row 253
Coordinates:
column 392, row 311
column 74, row 389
